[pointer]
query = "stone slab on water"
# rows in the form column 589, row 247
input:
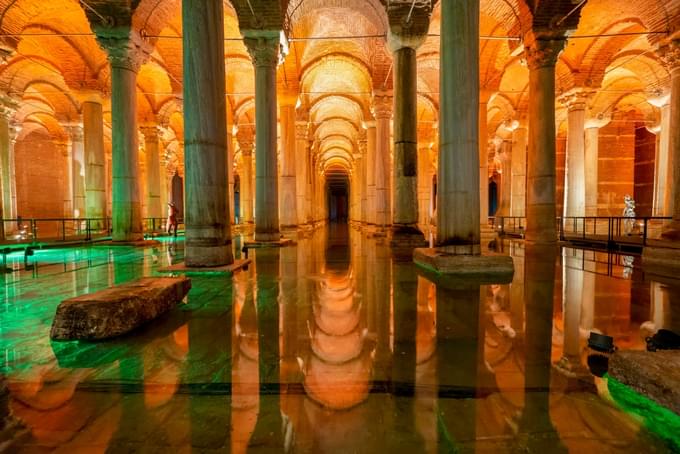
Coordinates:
column 655, row 375
column 117, row 310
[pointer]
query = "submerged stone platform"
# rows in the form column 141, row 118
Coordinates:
column 117, row 310
column 655, row 375
column 442, row 262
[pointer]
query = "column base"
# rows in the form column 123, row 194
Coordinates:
column 207, row 256
column 446, row 261
column 267, row 236
column 407, row 236
column 281, row 242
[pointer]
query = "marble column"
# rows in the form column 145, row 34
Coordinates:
column 231, row 148
column 77, row 170
column 288, row 196
column 519, row 171
column 206, row 211
column 246, row 147
column 670, row 55
column 662, row 164
column 592, row 139
column 361, row 187
column 65, row 149
column 575, row 179
column 6, row 157
column 382, row 111
column 263, row 47
column 302, row 170
column 484, row 96
column 424, row 180
column 370, row 171
column 405, row 170
column 541, row 57
column 505, row 156
column 126, row 51
column 94, row 160
column 458, row 194
column 153, row 171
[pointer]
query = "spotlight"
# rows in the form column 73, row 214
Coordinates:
column 601, row 343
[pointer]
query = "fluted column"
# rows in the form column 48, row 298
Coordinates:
column 370, row 171
column 94, row 159
column 126, row 51
column 541, row 57
column 206, row 212
column 405, row 170
column 458, row 188
column 519, row 171
column 382, row 111
column 263, row 47
column 288, row 196
column 302, row 170
column 153, row 171
column 670, row 55
column 575, row 178
column 246, row 146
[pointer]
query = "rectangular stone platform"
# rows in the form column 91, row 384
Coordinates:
column 655, row 375
column 117, row 310
column 283, row 242
column 497, row 266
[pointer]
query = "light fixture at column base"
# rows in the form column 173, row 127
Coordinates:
column 442, row 262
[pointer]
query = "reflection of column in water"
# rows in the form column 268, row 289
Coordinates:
column 267, row 433
column 290, row 300
column 572, row 298
column 381, row 294
column 458, row 354
column 539, row 287
column 426, row 366
column 245, row 396
column 517, row 289
column 659, row 308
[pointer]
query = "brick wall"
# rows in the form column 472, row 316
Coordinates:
column 40, row 177
column 616, row 166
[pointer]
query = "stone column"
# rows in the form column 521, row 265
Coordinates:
column 94, row 159
column 662, row 164
column 370, row 171
column 484, row 96
column 405, row 171
column 231, row 201
column 206, row 211
column 592, row 138
column 126, row 51
column 670, row 55
column 288, row 196
column 246, row 146
column 574, row 177
column 541, row 57
column 302, row 170
column 14, row 131
column 153, row 171
column 458, row 188
column 77, row 171
column 263, row 47
column 382, row 110
column 65, row 148
column 6, row 114
column 506, row 178
column 519, row 171
column 361, row 187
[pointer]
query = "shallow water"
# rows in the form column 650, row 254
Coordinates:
column 331, row 345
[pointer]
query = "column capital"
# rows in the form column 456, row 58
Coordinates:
column 74, row 131
column 670, row 55
column 577, row 98
column 263, row 47
column 396, row 41
column 381, row 104
column 8, row 106
column 14, row 131
column 62, row 146
column 124, row 47
column 151, row 132
column 543, row 51
column 301, row 130
column 369, row 123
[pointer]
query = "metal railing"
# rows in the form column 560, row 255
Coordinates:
column 607, row 230
column 33, row 230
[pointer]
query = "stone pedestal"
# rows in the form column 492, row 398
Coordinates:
column 263, row 46
column 207, row 213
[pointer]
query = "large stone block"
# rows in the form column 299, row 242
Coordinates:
column 655, row 375
column 497, row 266
column 117, row 310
